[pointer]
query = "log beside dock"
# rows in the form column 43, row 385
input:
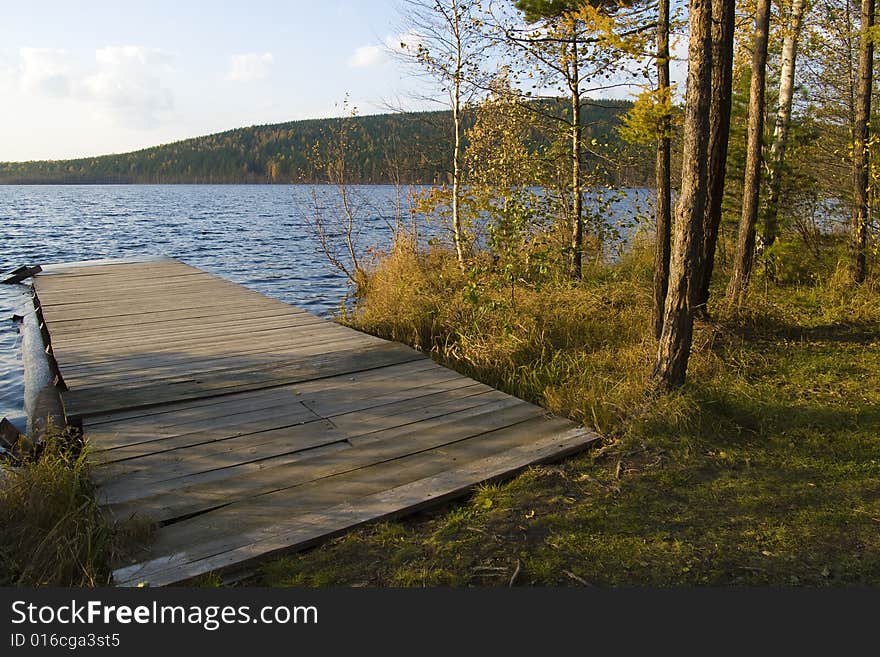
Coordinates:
column 246, row 427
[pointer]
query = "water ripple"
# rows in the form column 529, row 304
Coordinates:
column 258, row 235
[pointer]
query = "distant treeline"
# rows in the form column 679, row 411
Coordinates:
column 383, row 148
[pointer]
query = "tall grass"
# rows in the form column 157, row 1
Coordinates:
column 579, row 350
column 763, row 469
column 52, row 531
column 585, row 350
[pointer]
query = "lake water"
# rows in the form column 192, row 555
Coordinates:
column 258, row 235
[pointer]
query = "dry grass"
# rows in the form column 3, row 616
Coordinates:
column 52, row 532
column 555, row 344
column 762, row 470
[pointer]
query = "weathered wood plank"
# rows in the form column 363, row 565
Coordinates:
column 87, row 317
column 470, row 420
column 117, row 306
column 125, row 342
column 132, row 444
column 111, row 289
column 53, row 282
column 193, row 357
column 303, row 531
column 210, row 404
column 225, row 524
column 287, row 339
column 222, row 363
column 375, row 385
column 133, row 270
column 252, row 426
column 148, row 324
column 188, row 496
column 86, row 401
column 225, row 445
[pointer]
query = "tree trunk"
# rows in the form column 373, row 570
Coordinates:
column 577, row 228
column 860, row 145
column 675, row 341
column 723, row 22
column 662, row 246
column 745, row 246
column 783, row 118
column 457, row 230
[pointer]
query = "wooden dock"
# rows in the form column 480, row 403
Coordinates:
column 247, row 427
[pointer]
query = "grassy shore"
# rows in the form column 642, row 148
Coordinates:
column 764, row 469
column 52, row 531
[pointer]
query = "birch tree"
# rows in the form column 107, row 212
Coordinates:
column 444, row 40
column 782, row 123
column 829, row 67
column 575, row 47
column 562, row 32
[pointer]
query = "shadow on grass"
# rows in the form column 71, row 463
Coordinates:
column 772, row 329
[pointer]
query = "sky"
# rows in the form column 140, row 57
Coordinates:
column 94, row 77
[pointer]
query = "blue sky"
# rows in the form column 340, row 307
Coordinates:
column 93, row 77
column 98, row 77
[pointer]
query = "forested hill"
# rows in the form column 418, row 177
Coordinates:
column 381, row 148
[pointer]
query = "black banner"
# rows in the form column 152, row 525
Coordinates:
column 458, row 621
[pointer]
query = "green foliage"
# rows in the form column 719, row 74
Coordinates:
column 645, row 122
column 507, row 158
column 410, row 146
column 535, row 10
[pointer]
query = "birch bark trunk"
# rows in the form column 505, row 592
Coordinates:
column 783, row 118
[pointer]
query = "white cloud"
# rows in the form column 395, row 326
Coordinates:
column 373, row 55
column 44, row 71
column 249, row 66
column 404, row 41
column 123, row 83
column 127, row 85
column 367, row 56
